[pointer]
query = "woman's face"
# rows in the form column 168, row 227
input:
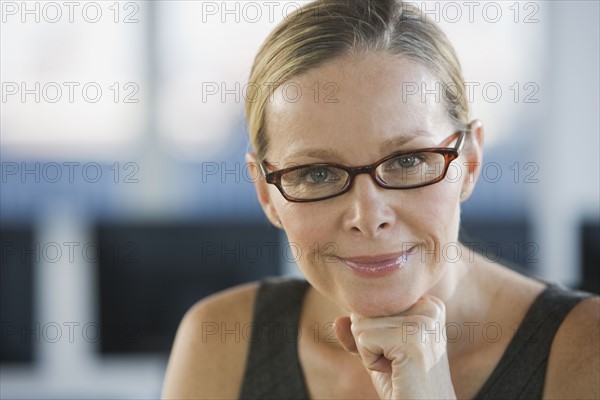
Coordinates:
column 347, row 110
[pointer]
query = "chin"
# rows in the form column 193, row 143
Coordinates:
column 379, row 302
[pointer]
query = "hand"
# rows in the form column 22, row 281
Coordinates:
column 405, row 354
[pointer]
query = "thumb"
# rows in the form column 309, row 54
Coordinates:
column 344, row 334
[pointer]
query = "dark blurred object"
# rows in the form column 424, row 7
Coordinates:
column 17, row 330
column 149, row 275
column 505, row 241
column 590, row 256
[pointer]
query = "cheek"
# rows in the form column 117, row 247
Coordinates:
column 312, row 233
column 439, row 212
column 307, row 226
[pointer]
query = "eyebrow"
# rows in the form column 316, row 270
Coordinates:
column 326, row 154
column 400, row 141
column 332, row 154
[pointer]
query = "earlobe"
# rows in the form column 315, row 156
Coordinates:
column 473, row 153
column 262, row 188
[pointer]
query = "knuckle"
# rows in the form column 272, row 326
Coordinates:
column 362, row 339
column 355, row 330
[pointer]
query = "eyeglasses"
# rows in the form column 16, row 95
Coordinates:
column 400, row 170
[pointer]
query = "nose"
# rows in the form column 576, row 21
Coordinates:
column 368, row 213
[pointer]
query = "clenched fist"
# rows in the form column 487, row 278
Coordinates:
column 405, row 354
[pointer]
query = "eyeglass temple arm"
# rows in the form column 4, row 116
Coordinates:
column 461, row 138
column 262, row 168
column 262, row 165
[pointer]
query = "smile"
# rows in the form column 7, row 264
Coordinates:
column 378, row 265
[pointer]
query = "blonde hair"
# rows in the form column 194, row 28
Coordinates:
column 326, row 29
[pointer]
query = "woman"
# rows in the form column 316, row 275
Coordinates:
column 367, row 179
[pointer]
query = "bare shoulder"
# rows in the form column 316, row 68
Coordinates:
column 209, row 352
column 574, row 362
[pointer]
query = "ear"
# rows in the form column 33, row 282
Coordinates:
column 262, row 188
column 473, row 152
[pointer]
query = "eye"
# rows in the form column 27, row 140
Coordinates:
column 406, row 161
column 318, row 175
column 314, row 175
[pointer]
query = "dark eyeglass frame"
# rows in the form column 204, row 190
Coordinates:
column 449, row 154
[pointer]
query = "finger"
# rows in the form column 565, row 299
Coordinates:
column 382, row 364
column 430, row 307
column 378, row 351
column 426, row 310
column 433, row 300
column 344, row 334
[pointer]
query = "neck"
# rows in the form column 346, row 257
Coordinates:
column 455, row 288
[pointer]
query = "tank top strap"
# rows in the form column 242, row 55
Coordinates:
column 521, row 371
column 273, row 368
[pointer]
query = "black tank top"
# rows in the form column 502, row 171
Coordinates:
column 273, row 368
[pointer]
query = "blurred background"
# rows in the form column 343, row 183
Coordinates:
column 125, row 197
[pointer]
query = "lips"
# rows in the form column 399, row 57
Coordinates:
column 378, row 265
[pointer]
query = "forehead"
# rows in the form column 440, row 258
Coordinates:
column 352, row 104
